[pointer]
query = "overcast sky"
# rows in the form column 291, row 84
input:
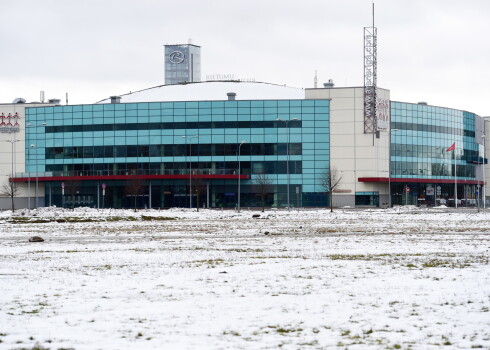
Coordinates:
column 436, row 51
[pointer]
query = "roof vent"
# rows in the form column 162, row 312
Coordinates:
column 329, row 85
column 55, row 101
column 19, row 100
column 115, row 99
column 231, row 96
column 422, row 103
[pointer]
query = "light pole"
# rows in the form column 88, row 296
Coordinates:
column 29, row 179
column 287, row 151
column 29, row 174
column 389, row 168
column 483, row 162
column 12, row 142
column 190, row 166
column 239, row 172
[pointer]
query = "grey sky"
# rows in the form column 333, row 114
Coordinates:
column 429, row 50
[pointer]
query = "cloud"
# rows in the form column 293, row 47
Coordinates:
column 434, row 49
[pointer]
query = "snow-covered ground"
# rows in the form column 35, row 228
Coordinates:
column 373, row 279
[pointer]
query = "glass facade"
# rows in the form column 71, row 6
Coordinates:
column 143, row 145
column 420, row 137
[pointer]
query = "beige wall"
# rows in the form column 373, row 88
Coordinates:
column 18, row 155
column 353, row 152
column 487, row 153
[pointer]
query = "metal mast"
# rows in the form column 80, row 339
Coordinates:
column 370, row 78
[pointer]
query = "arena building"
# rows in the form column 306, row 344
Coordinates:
column 229, row 144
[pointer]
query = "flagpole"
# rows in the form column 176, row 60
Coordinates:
column 455, row 181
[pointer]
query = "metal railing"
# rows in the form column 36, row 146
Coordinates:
column 129, row 172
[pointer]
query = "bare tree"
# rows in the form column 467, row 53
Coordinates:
column 134, row 188
column 330, row 179
column 263, row 186
column 72, row 188
column 10, row 189
column 199, row 188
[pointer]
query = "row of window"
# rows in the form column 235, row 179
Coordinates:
column 176, row 125
column 431, row 169
column 432, row 128
column 424, row 151
column 180, row 150
column 425, row 108
column 176, row 168
column 188, row 107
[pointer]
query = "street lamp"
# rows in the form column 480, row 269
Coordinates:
column 389, row 167
column 239, row 172
column 29, row 180
column 190, row 165
column 287, row 151
column 483, row 162
column 29, row 174
column 12, row 142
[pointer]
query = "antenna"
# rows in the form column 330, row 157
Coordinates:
column 373, row 13
column 41, row 97
column 315, row 81
column 370, row 78
column 67, row 98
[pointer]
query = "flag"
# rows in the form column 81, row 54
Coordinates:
column 452, row 148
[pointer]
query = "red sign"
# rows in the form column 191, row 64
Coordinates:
column 407, row 189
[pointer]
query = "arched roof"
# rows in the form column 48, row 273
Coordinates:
column 212, row 91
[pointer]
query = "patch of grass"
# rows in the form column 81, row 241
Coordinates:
column 35, row 311
column 77, row 219
column 361, row 257
column 20, row 218
column 234, row 333
column 36, row 346
column 114, row 218
column 311, row 343
column 282, row 330
column 436, row 263
column 211, row 262
column 155, row 218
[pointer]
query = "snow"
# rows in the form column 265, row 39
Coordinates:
column 360, row 279
column 213, row 91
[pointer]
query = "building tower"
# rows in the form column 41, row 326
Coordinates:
column 182, row 64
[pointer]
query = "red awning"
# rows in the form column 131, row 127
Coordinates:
column 130, row 177
column 418, row 180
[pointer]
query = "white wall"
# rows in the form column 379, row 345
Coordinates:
column 17, row 162
column 353, row 152
column 487, row 154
